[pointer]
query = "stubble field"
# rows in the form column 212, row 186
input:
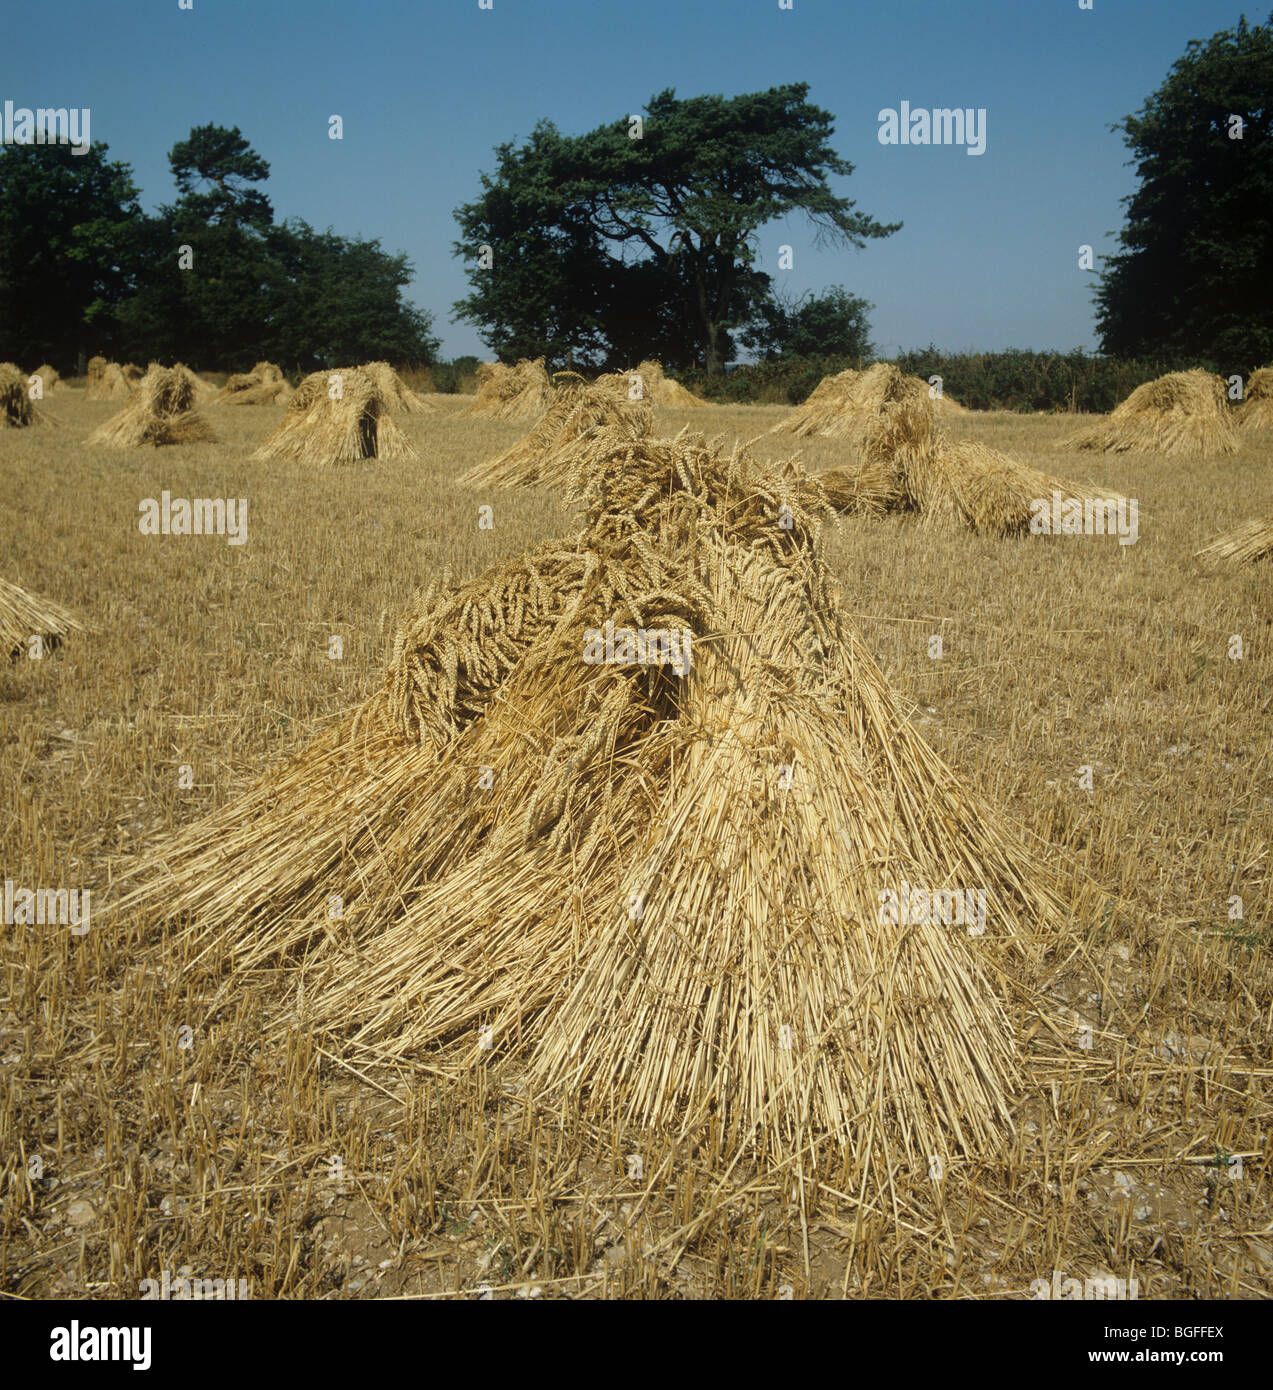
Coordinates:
column 317, row 1172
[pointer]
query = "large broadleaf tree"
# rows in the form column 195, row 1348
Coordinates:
column 1193, row 279
column 634, row 240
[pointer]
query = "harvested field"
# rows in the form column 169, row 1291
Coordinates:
column 695, row 528
column 1113, row 758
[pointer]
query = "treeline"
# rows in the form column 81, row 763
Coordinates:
column 1011, row 380
column 211, row 279
column 458, row 376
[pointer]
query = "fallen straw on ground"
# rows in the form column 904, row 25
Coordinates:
column 1246, row 545
column 24, row 616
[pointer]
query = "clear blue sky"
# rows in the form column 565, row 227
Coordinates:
column 988, row 256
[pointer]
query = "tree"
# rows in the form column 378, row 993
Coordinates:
column 213, row 168
column 336, row 300
column 160, row 319
column 539, row 273
column 65, row 229
column 254, row 289
column 1194, row 278
column 651, row 239
column 203, row 260
column 833, row 324
column 209, row 280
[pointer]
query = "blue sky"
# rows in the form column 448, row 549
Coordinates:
column 988, row 256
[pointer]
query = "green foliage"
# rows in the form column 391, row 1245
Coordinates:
column 82, row 270
column 1023, row 380
column 1195, row 273
column 336, row 300
column 215, row 312
column 213, row 168
column 458, row 375
column 780, row 381
column 66, row 229
column 832, row 324
column 1011, row 380
column 160, row 318
column 606, row 246
column 543, row 293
